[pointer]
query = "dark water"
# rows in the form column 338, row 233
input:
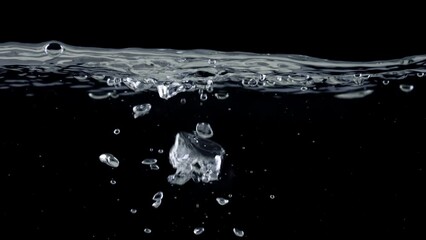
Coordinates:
column 313, row 147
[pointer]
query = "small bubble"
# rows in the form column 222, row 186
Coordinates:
column 113, row 81
column 133, row 211
column 303, row 89
column 204, row 130
column 80, row 77
column 238, row 232
column 156, row 204
column 222, row 201
column 420, row 74
column 221, row 95
column 158, row 196
column 53, row 49
column 113, row 182
column 385, row 82
column 198, row 230
column 147, row 230
column 151, row 149
column 182, row 101
column 203, row 97
column 141, row 110
column 149, row 161
column 160, row 151
column 406, row 87
column 272, row 196
column 154, row 167
column 116, row 131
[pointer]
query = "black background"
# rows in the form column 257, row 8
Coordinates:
column 363, row 175
column 343, row 32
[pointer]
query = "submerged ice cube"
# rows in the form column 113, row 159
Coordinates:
column 196, row 158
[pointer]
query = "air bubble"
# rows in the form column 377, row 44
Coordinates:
column 158, row 196
column 420, row 74
column 221, row 95
column 183, row 101
column 149, row 161
column 204, row 130
column 141, row 110
column 222, row 201
column 133, row 211
column 80, row 77
column 147, row 230
column 198, row 230
column 113, row 182
column 116, row 131
column 385, row 82
column 238, row 232
column 154, row 167
column 53, row 49
column 406, row 88
column 303, row 89
column 203, row 97
column 109, row 160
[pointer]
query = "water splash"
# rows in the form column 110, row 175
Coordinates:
column 106, row 73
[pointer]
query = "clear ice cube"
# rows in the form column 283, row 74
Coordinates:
column 195, row 157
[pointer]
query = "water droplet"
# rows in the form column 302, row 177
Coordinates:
column 198, row 230
column 303, row 89
column 420, row 74
column 53, row 49
column 156, row 204
column 272, row 196
column 203, row 96
column 160, row 151
column 141, row 110
column 147, row 230
column 113, row 182
column 154, row 167
column 133, row 211
column 183, row 101
column 149, row 161
column 222, row 201
column 238, row 232
column 116, row 131
column 221, row 95
column 385, row 82
column 158, row 196
column 204, row 130
column 109, row 160
column 230, row 195
column 406, row 87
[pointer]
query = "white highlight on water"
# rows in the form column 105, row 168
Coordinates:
column 111, row 73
